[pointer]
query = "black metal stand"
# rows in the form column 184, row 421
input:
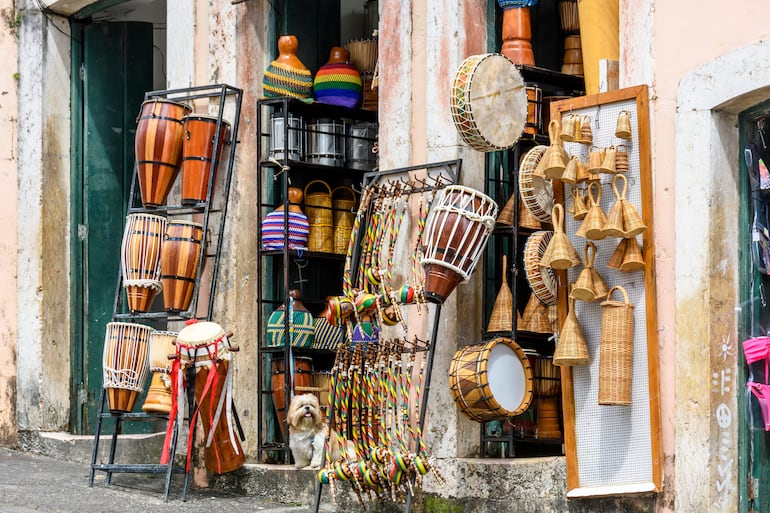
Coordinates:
column 221, row 93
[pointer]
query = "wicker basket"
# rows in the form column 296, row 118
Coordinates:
column 318, row 208
column 560, row 254
column 343, row 202
column 505, row 217
column 595, row 220
column 501, row 319
column 589, row 285
column 535, row 317
column 571, row 347
column 616, row 350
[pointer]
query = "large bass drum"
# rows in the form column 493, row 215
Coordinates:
column 491, row 380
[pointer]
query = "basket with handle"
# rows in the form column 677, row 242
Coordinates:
column 343, row 202
column 318, row 208
column 616, row 350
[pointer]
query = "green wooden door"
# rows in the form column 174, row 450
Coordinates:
column 316, row 23
column 115, row 72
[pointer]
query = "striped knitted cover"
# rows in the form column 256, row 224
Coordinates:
column 338, row 83
column 326, row 336
column 283, row 80
column 301, row 329
column 272, row 230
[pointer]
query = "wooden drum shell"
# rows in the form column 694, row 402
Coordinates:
column 303, row 378
column 179, row 260
column 125, row 363
column 198, row 153
column 140, row 259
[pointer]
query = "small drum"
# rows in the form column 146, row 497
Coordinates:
column 542, row 280
column 140, row 259
column 534, row 124
column 536, row 191
column 492, row 380
column 363, row 54
column 326, row 142
column 484, row 87
column 279, row 149
column 125, row 363
column 456, row 234
column 179, row 264
column 158, row 148
column 301, row 376
column 162, row 344
column 206, row 346
column 360, row 147
column 199, row 164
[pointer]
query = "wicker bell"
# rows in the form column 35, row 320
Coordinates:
column 579, row 209
column 592, row 226
column 560, row 254
column 571, row 347
column 615, row 226
column 570, row 171
column 501, row 319
column 632, row 221
column 535, row 317
column 505, row 217
column 586, row 135
column 555, row 159
column 623, row 127
column 616, row 348
column 608, row 163
column 568, row 128
column 589, row 285
column 621, row 159
column 595, row 160
column 632, row 257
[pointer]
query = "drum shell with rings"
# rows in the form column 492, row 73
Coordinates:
column 179, row 260
column 534, row 124
column 279, row 148
column 199, row 161
column 456, row 233
column 158, row 399
column 140, row 259
column 158, row 148
column 125, row 363
column 360, row 146
column 326, row 142
column 301, row 378
column 492, row 380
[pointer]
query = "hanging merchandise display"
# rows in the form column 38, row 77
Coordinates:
column 571, row 347
column 589, row 285
column 560, row 253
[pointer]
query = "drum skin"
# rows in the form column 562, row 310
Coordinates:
column 198, row 153
column 470, row 375
column 158, row 148
column 179, row 264
column 303, row 377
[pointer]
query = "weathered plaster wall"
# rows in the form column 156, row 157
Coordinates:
column 43, row 349
column 8, row 218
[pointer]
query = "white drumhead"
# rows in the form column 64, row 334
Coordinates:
column 506, row 376
column 497, row 87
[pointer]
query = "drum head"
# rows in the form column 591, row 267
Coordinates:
column 200, row 333
column 510, row 384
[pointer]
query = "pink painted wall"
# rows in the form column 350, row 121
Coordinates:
column 8, row 218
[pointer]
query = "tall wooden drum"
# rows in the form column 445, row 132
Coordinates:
column 140, row 259
column 158, row 148
column 300, row 376
column 179, row 264
column 199, row 162
column 162, row 344
column 125, row 363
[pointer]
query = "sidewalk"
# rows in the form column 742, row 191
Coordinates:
column 31, row 483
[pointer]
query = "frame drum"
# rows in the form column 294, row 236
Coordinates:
column 200, row 136
column 485, row 86
column 158, row 148
column 492, row 380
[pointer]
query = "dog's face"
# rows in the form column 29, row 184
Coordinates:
column 305, row 413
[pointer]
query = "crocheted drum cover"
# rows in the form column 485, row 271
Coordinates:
column 338, row 83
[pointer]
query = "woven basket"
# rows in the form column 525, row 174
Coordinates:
column 579, row 208
column 318, row 208
column 615, row 226
column 595, row 220
column 560, row 254
column 589, row 285
column 501, row 319
column 632, row 257
column 616, row 350
column 527, row 219
column 505, row 217
column 541, row 279
column 535, row 317
column 343, row 202
column 571, row 347
column 535, row 190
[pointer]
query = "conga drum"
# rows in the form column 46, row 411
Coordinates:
column 301, row 376
column 485, row 86
column 456, row 234
column 492, row 380
column 206, row 346
column 179, row 263
column 125, row 363
column 199, row 162
column 162, row 344
column 140, row 259
column 158, row 148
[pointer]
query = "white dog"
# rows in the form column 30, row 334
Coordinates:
column 307, row 432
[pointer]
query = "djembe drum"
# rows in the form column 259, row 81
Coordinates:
column 491, row 380
column 125, row 363
column 206, row 347
column 140, row 259
column 159, row 399
column 158, row 147
column 199, row 161
column 456, row 234
column 179, row 264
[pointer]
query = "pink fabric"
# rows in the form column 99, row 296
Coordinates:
column 757, row 349
column 762, row 393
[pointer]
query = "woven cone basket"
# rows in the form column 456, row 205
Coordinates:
column 584, row 285
column 632, row 221
column 616, row 259
column 505, row 217
column 632, row 257
column 615, row 226
column 535, row 317
column 592, row 226
column 570, row 171
column 608, row 163
column 560, row 254
column 555, row 159
column 527, row 219
column 501, row 319
column 616, row 350
column 579, row 209
column 571, row 348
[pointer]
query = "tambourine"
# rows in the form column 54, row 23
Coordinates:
column 541, row 279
